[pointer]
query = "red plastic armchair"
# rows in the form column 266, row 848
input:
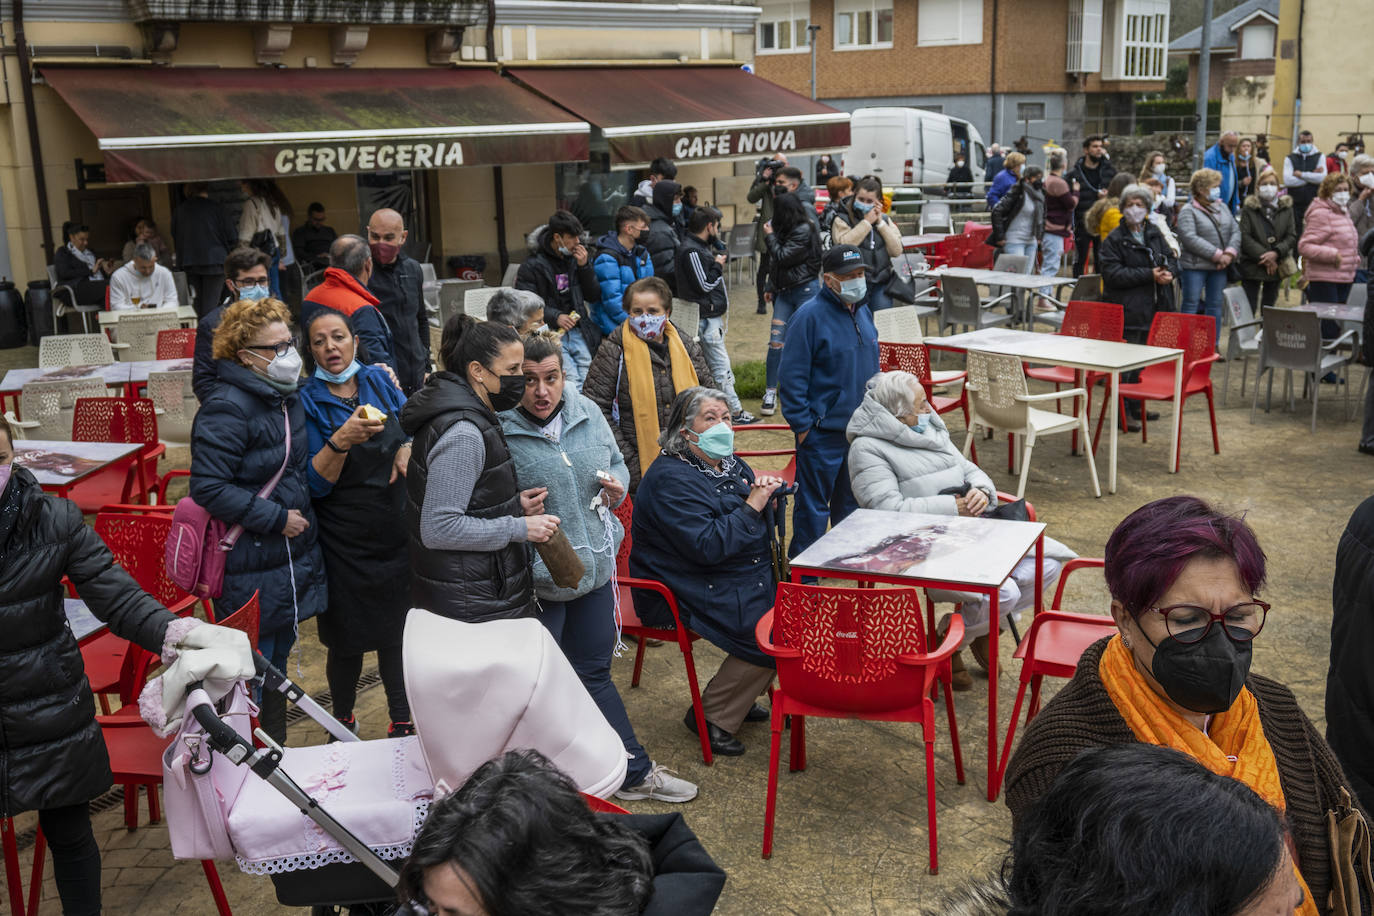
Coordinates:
column 850, row 653
column 630, row 625
column 118, row 420
column 176, row 343
column 1196, row 336
column 1052, row 647
column 1091, row 321
column 789, row 473
column 915, row 358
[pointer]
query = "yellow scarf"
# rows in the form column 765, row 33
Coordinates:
column 639, row 369
column 1234, row 744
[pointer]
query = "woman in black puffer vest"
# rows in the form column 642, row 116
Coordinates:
column 468, row 520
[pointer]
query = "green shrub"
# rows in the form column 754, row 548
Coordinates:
column 749, row 379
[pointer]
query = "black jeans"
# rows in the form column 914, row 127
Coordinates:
column 342, row 672
column 75, row 858
column 208, row 282
column 1261, row 293
column 1082, row 241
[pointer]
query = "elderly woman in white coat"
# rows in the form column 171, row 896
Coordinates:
column 901, row 459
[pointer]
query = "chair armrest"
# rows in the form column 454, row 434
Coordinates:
column 1053, row 395
column 763, row 634
column 1003, row 497
column 1077, row 563
column 1348, row 337
column 1246, row 324
column 953, row 637
column 653, row 585
column 989, row 303
column 119, row 346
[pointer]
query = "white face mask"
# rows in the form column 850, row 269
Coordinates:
column 1135, row 215
column 1342, row 198
column 1367, row 179
column 1158, row 168
column 1268, row 192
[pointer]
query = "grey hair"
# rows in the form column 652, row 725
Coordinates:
column 1361, row 162
column 682, row 415
column 145, row 252
column 1145, row 195
column 350, row 253
column 1229, row 133
column 894, row 392
column 514, row 307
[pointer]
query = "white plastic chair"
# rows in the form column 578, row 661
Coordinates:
column 998, row 399
column 961, row 305
column 936, row 215
column 48, row 407
column 1244, row 339
column 687, row 317
column 175, row 404
column 429, row 287
column 136, row 332
column 1292, row 340
column 475, row 300
column 64, row 301
column 58, row 350
column 508, row 278
column 451, row 297
column 899, row 324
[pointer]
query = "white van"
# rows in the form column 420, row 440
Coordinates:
column 904, row 146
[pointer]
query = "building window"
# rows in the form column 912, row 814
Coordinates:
column 1030, row 111
column 863, row 24
column 1257, row 41
column 782, row 28
column 1085, row 36
column 1140, row 31
column 949, row 22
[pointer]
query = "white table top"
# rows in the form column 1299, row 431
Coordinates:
column 927, row 238
column 113, row 374
column 139, row 369
column 1058, row 349
column 1334, row 311
column 950, row 549
column 56, row 463
column 82, row 621
column 997, row 277
column 109, row 317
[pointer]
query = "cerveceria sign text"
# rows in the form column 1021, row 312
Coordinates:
column 365, row 157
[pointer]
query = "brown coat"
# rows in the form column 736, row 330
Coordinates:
column 1083, row 716
column 605, row 385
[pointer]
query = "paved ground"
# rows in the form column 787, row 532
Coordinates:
column 851, row 834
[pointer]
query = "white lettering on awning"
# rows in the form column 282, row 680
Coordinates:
column 305, row 160
column 744, row 143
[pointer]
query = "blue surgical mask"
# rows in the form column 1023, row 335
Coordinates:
column 862, row 207
column 254, row 293
column 853, row 291
column 677, row 208
column 565, row 251
column 922, row 423
column 338, row 379
column 648, row 327
column 718, row 441
column 1215, row 194
column 1305, row 148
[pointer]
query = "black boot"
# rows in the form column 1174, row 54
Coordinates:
column 272, row 715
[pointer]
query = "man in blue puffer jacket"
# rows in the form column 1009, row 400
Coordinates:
column 621, row 259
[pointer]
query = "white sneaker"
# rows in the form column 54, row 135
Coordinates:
column 660, row 785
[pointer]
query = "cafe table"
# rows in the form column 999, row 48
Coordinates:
column 1334, row 311
column 116, row 375
column 58, row 465
column 109, row 318
column 932, row 551
column 1084, row 355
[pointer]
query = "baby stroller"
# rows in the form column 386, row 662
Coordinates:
column 326, row 823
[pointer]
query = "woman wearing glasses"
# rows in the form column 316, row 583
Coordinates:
column 1183, row 579
column 238, row 444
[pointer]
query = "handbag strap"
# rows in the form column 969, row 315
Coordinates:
column 233, row 534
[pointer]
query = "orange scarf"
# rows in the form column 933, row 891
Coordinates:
column 639, row 369
column 1233, row 745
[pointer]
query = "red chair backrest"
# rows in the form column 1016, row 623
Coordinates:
column 905, row 357
column 763, row 428
column 176, row 343
column 245, row 619
column 849, row 639
column 1194, row 334
column 114, row 420
column 1094, row 320
column 625, row 512
column 138, row 542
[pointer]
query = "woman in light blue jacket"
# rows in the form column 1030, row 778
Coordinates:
column 1210, row 238
column 564, row 449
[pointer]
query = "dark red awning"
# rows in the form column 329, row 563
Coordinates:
column 689, row 114
column 183, row 124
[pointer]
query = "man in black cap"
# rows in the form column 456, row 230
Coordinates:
column 830, row 354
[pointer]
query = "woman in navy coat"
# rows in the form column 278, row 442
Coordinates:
column 699, row 528
column 238, row 443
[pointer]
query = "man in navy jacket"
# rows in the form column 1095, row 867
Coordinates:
column 830, row 353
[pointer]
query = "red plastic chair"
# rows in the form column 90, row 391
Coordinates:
column 630, row 625
column 1055, row 642
column 176, row 343
column 789, row 473
column 1091, row 321
column 601, row 806
column 915, row 358
column 1196, row 336
column 118, row 420
column 851, row 653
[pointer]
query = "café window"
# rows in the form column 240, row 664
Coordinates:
column 863, row 24
column 782, row 28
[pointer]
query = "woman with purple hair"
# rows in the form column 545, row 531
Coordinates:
column 1184, row 579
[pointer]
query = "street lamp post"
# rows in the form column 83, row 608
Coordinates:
column 811, row 31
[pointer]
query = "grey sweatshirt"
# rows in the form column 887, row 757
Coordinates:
column 454, row 464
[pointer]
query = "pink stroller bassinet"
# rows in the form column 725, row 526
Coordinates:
column 324, row 822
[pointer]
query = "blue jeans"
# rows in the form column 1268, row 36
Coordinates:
column 712, row 331
column 577, row 357
column 1026, row 249
column 1051, row 256
column 1194, row 281
column 584, row 629
column 823, row 493
column 785, row 303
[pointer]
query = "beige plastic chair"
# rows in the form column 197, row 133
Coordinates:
column 136, row 332
column 902, row 324
column 998, row 399
column 429, row 287
column 58, row 350
column 475, row 300
column 687, row 317
column 48, row 407
column 175, row 404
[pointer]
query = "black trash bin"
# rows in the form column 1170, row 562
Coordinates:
column 38, row 303
column 13, row 321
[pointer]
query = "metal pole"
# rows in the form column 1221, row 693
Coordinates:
column 811, row 31
column 1204, row 73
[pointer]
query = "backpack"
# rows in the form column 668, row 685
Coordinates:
column 198, row 544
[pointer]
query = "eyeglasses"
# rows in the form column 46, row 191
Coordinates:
column 281, row 349
column 1188, row 623
column 264, row 282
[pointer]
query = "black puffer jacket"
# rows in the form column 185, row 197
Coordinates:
column 796, row 259
column 1127, row 274
column 1350, row 680
column 565, row 287
column 51, row 751
column 474, row 586
column 664, row 236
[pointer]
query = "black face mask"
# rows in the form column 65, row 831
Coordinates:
column 512, row 390
column 1205, row 676
column 642, row 238
column 1038, row 185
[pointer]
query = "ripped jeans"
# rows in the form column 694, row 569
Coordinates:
column 785, row 304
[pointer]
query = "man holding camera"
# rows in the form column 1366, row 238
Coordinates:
column 773, row 176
